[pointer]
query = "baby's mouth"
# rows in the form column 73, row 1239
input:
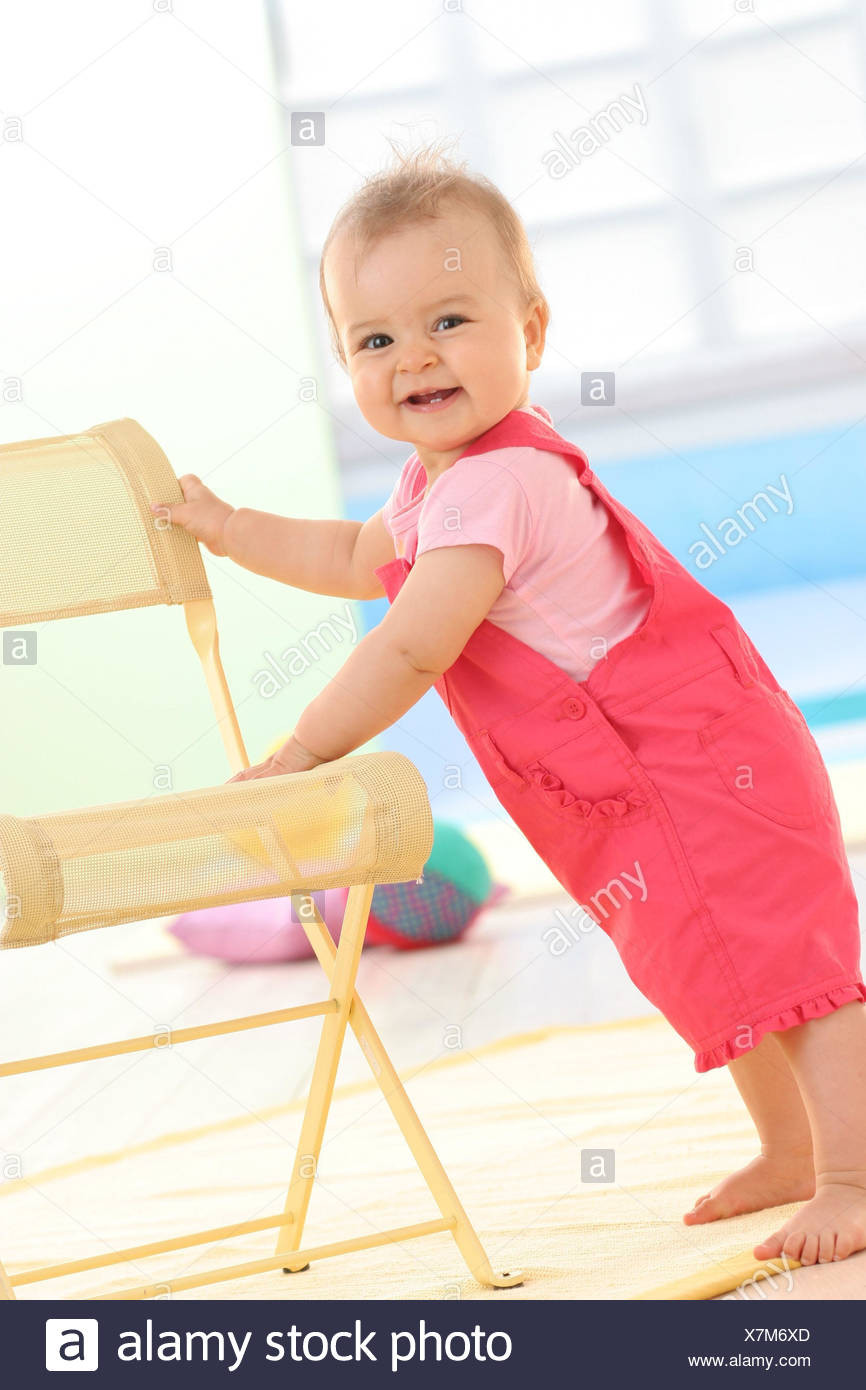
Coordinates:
column 431, row 400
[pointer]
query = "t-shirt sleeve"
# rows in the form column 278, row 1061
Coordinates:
column 478, row 501
column 389, row 506
column 403, row 490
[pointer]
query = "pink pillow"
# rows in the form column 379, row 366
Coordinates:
column 259, row 931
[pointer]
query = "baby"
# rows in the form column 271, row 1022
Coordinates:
column 622, row 716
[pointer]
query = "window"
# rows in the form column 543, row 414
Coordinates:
column 719, row 221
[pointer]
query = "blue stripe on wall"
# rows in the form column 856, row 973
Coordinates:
column 822, row 538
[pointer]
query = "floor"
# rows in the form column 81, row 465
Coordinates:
column 133, row 980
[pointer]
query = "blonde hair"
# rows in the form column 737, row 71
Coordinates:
column 412, row 190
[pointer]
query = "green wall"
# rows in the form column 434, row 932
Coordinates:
column 213, row 355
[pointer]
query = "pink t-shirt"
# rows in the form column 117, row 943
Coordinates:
column 572, row 588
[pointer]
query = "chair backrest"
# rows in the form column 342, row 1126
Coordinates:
column 78, row 535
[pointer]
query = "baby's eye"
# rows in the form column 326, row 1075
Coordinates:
column 451, row 318
column 373, row 336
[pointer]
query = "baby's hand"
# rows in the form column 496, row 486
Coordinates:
column 201, row 513
column 291, row 757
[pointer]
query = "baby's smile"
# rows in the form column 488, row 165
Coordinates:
column 432, row 400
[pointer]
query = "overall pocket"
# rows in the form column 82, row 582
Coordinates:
column 768, row 760
column 573, row 781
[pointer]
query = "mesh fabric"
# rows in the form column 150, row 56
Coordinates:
column 84, row 539
column 365, row 818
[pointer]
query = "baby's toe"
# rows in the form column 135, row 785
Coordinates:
column 827, row 1246
column 809, row 1252
column 794, row 1244
column 771, row 1247
column 845, row 1244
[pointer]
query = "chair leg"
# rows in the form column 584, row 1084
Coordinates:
column 344, row 967
column 404, row 1113
column 341, row 971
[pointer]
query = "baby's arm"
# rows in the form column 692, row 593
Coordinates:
column 319, row 556
column 447, row 593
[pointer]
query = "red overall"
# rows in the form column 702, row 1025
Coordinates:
column 676, row 794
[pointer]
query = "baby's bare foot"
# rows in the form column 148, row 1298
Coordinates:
column 768, row 1181
column 831, row 1226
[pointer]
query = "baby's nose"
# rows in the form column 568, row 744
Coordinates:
column 414, row 359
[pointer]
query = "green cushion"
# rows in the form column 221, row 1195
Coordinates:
column 456, row 858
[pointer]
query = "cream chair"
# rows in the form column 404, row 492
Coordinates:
column 357, row 821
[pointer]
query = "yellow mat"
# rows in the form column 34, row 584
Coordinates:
column 509, row 1121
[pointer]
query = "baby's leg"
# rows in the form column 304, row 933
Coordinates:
column 828, row 1058
column 783, row 1171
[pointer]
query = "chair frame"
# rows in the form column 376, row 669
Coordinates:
column 342, row 1007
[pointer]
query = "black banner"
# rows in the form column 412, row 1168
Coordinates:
column 488, row 1343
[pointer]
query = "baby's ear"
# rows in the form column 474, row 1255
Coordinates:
column 534, row 354
column 535, row 332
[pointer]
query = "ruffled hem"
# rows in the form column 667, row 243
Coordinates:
column 611, row 808
column 822, row 1004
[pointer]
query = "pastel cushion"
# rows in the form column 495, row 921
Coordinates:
column 254, row 932
column 455, row 889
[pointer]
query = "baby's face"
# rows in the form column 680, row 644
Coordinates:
column 434, row 306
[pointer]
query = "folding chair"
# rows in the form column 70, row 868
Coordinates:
column 355, row 822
